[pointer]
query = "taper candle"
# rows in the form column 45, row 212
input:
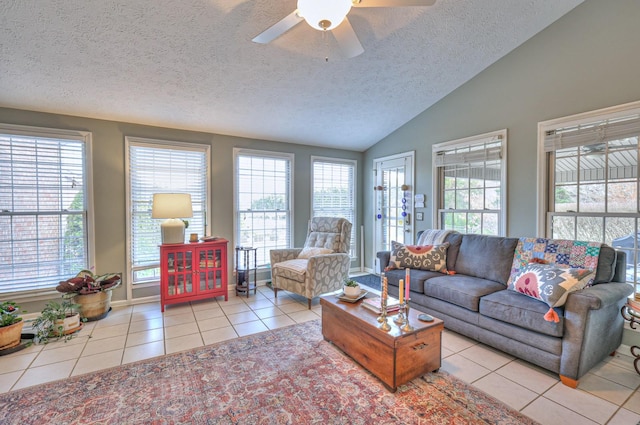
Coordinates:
column 407, row 280
column 401, row 291
column 384, row 288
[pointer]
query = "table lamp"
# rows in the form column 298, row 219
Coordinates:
column 171, row 206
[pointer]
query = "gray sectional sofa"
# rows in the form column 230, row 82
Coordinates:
column 475, row 302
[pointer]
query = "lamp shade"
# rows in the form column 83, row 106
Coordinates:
column 324, row 14
column 171, row 205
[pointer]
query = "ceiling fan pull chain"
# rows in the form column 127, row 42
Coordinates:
column 326, row 45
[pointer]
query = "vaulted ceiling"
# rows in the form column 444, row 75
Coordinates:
column 191, row 64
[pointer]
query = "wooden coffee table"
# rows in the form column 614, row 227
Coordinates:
column 395, row 357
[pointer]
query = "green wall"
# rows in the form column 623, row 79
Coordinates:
column 588, row 59
column 109, row 181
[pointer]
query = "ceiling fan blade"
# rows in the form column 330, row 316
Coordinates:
column 347, row 39
column 392, row 3
column 279, row 28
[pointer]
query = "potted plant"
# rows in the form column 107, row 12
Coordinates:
column 351, row 288
column 57, row 320
column 92, row 292
column 10, row 325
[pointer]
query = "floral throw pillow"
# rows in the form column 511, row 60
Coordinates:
column 551, row 284
column 421, row 257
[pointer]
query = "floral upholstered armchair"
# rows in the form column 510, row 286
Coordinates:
column 320, row 266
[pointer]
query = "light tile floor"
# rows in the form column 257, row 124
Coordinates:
column 608, row 394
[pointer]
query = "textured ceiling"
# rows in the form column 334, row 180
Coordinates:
column 190, row 64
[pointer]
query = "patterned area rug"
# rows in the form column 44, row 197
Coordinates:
column 371, row 280
column 287, row 376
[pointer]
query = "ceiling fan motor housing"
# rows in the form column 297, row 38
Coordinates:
column 324, row 14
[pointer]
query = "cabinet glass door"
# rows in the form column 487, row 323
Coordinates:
column 180, row 273
column 210, row 262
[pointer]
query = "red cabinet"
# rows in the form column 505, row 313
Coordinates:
column 193, row 271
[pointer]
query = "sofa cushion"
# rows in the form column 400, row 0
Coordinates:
column 551, row 284
column 487, row 257
column 606, row 265
column 425, row 257
column 463, row 291
column 418, row 277
column 454, row 239
column 519, row 310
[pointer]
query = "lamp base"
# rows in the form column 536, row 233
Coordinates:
column 172, row 231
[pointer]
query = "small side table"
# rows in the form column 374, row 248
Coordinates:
column 246, row 270
column 633, row 316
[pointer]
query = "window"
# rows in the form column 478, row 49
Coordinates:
column 333, row 186
column 470, row 184
column 592, row 176
column 157, row 166
column 45, row 207
column 263, row 200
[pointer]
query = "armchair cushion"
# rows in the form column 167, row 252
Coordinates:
column 329, row 232
column 292, row 269
column 309, row 252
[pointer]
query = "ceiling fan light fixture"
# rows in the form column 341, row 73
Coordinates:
column 324, row 14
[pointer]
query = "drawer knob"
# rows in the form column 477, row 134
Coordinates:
column 420, row 346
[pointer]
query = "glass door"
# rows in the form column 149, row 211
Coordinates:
column 394, row 200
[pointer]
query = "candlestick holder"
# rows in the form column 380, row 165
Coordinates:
column 400, row 319
column 407, row 327
column 383, row 316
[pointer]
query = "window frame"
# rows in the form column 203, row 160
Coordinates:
column 237, row 152
column 85, row 137
column 438, row 180
column 544, row 182
column 354, row 187
column 546, row 177
column 167, row 145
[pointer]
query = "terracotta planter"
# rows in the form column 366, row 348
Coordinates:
column 10, row 335
column 94, row 306
column 69, row 324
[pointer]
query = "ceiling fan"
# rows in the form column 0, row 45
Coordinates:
column 331, row 15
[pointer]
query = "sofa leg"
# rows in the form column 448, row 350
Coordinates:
column 572, row 383
column 613, row 354
column 309, row 301
column 275, row 292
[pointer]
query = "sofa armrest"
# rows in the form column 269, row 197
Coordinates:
column 383, row 259
column 593, row 326
column 598, row 296
column 280, row 255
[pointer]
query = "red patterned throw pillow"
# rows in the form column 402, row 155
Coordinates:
column 421, row 257
column 550, row 284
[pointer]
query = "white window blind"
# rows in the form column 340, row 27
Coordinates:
column 263, row 200
column 592, row 133
column 470, row 181
column 158, row 167
column 44, row 212
column 333, row 189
